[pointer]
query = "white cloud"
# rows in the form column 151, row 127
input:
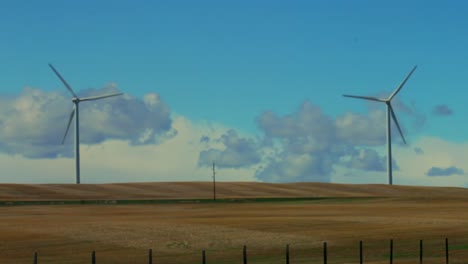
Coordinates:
column 33, row 123
column 437, row 171
column 413, row 167
column 352, row 127
column 129, row 139
column 238, row 152
column 365, row 159
column 437, row 153
column 176, row 159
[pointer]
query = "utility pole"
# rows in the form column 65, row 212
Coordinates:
column 214, row 181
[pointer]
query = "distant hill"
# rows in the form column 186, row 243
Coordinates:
column 185, row 190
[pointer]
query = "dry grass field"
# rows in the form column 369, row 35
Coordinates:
column 178, row 232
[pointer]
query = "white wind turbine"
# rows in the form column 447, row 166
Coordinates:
column 392, row 113
column 76, row 100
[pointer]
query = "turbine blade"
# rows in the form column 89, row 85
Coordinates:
column 99, row 97
column 396, row 122
column 69, row 123
column 364, row 97
column 402, row 83
column 63, row 80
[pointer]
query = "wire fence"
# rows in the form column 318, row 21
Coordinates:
column 391, row 255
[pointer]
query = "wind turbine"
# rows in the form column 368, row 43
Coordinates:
column 76, row 100
column 390, row 115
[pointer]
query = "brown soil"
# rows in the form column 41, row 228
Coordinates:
column 178, row 233
column 175, row 190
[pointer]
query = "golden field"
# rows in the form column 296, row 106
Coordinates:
column 178, row 232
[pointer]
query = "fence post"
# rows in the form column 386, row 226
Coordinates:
column 391, row 251
column 287, row 254
column 446, row 251
column 93, row 257
column 324, row 252
column 244, row 251
column 35, row 257
column 360, row 252
column 203, row 257
column 150, row 256
column 420, row 251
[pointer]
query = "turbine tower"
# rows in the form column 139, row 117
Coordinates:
column 390, row 115
column 76, row 100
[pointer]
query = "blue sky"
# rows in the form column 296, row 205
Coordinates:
column 220, row 66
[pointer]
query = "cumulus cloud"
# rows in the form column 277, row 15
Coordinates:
column 305, row 145
column 238, row 152
column 309, row 119
column 415, row 116
column 366, row 159
column 29, row 124
column 369, row 129
column 360, row 129
column 126, row 117
column 418, row 150
column 437, row 171
column 205, row 139
column 310, row 144
column 438, row 153
column 289, row 167
column 115, row 160
column 442, row 110
column 33, row 123
column 307, row 149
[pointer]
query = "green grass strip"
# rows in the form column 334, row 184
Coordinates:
column 188, row 201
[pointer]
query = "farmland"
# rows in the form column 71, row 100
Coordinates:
column 178, row 231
